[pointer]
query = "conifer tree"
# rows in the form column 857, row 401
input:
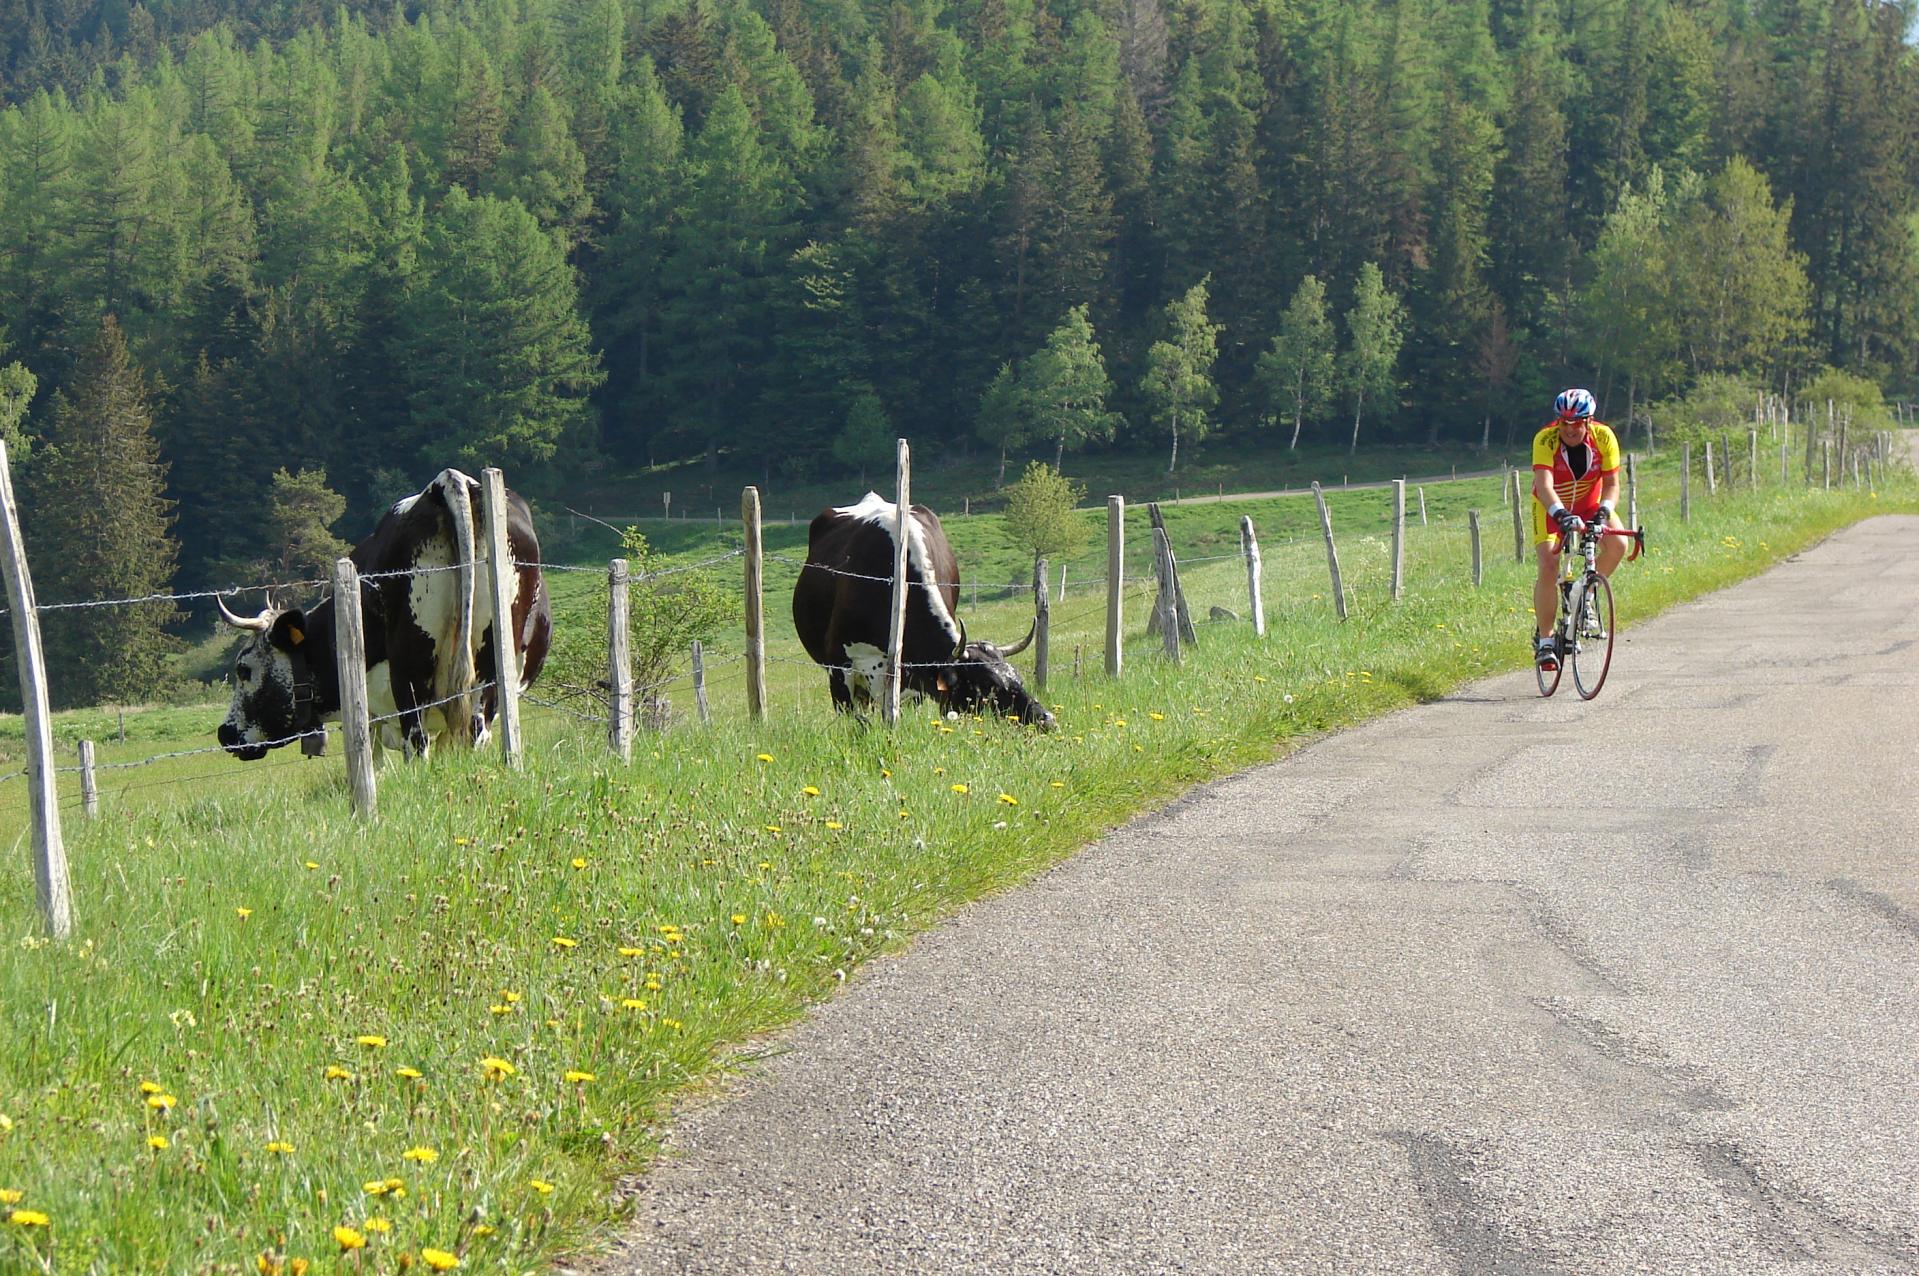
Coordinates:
column 1002, row 419
column 101, row 524
column 1066, row 387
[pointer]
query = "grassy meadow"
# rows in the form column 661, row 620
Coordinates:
column 285, row 1040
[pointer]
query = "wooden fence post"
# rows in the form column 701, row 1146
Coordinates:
column 619, row 662
column 1825, row 462
column 1399, row 536
column 89, row 786
column 1422, row 505
column 1163, row 605
column 902, row 561
column 1632, row 491
column 1249, row 546
column 1042, row 625
column 51, row 881
column 1115, row 580
column 1472, row 527
column 501, row 578
column 1332, row 551
column 1519, row 519
column 1685, row 482
column 1752, row 458
column 1712, row 476
column 349, row 646
column 755, row 611
column 699, row 683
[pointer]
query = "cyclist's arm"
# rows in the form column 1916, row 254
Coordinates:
column 1543, row 490
column 1609, row 490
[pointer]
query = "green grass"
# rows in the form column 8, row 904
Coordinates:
column 706, row 867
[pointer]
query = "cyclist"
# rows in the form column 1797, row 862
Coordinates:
column 1575, row 483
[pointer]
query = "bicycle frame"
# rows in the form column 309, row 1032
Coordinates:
column 1575, row 579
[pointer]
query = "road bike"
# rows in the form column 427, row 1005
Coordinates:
column 1584, row 634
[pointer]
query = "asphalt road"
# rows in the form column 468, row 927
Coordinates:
column 1494, row 985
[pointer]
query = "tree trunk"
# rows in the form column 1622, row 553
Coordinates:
column 1297, row 416
column 1000, row 482
column 1359, row 402
column 1174, row 463
column 1059, row 453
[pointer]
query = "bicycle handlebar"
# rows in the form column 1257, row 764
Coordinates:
column 1638, row 536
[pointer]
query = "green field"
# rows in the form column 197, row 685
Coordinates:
column 319, row 997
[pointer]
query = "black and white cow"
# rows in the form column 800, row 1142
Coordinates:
column 429, row 633
column 841, row 604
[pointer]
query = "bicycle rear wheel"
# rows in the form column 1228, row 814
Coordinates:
column 1592, row 654
column 1549, row 678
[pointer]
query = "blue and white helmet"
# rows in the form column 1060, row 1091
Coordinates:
column 1575, row 404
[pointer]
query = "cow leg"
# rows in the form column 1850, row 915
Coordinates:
column 489, row 699
column 408, row 697
column 842, row 694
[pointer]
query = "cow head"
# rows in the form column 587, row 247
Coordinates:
column 982, row 678
column 273, row 692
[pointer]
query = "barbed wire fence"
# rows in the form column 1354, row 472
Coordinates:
column 1136, row 586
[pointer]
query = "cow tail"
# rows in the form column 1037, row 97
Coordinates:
column 455, row 672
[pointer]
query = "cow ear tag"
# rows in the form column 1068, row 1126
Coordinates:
column 296, row 635
column 943, row 682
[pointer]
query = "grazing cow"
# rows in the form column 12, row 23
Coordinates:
column 842, row 600
column 429, row 633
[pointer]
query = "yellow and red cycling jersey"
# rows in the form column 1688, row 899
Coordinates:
column 1579, row 492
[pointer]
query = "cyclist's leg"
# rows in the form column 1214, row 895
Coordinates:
column 1546, row 584
column 1612, row 550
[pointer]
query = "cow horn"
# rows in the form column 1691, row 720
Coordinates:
column 1023, row 643
column 258, row 623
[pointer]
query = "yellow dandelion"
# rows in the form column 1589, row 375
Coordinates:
column 739, row 919
column 579, row 861
column 961, row 788
column 632, row 1003
column 1157, row 717
column 510, row 997
column 561, row 941
column 439, row 1260
column 1259, row 677
column 811, row 790
column 310, row 866
column 150, row 1087
column 674, row 1024
column 834, row 824
column 346, row 1238
column 396, row 1185
column 765, row 757
column 1059, row 784
column 425, row 1156
column 244, row 913
column 371, row 1041
column 500, row 1010
column 483, row 1230
column 462, row 841
column 1008, row 799
column 772, row 828
column 411, row 1074
column 497, row 1069
column 157, row 1142
column 541, row 1186
column 281, row 1147
column 161, row 1102
column 374, row 1187
column 11, row 1195
column 578, row 1077
column 334, row 1072
column 379, row 1225
column 632, row 952
column 652, row 983
column 885, row 774
column 28, row 1218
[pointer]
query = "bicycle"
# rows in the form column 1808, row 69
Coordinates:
column 1584, row 633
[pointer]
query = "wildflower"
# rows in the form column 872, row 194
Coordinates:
column 633, row 1003
column 578, row 1077
column 961, row 788
column 150, row 1087
column 298, row 1267
column 632, row 952
column 772, row 828
column 346, row 1238
column 439, row 1260
column 774, row 921
column 766, row 866
column 371, row 1041
column 374, row 1187
column 157, row 1142
column 462, row 841
column 379, row 1225
column 652, row 983
column 497, row 1069
column 739, row 919
column 484, row 1229
column 10, row 1195
column 561, row 941
column 411, row 1074
column 310, row 866
column 500, row 1010
column 834, row 824
column 334, row 1072
column 765, row 757
column 541, row 1186
column 266, row 1264
column 244, row 913
column 28, row 1218
column 579, row 861
column 1259, row 677
column 1008, row 799
column 161, row 1102
column 674, row 1024
column 811, row 790
column 425, row 1156
column 510, row 997
column 885, row 774
column 280, row 1146
column 1059, row 784
column 1157, row 717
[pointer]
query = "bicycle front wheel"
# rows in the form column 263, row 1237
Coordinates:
column 1549, row 678
column 1592, row 654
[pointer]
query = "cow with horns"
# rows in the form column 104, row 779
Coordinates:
column 841, row 604
column 429, row 630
